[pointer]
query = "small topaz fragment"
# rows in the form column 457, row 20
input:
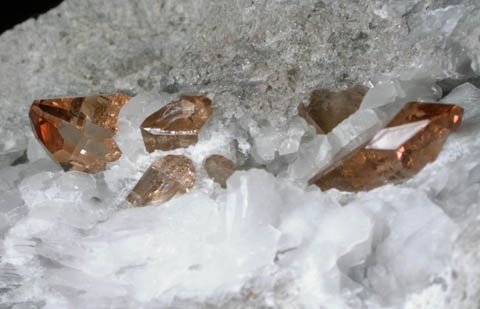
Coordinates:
column 410, row 141
column 177, row 124
column 78, row 132
column 219, row 169
column 327, row 109
column 171, row 175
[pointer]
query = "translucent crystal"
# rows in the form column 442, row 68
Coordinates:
column 327, row 109
column 410, row 141
column 219, row 169
column 78, row 132
column 171, row 175
column 177, row 124
column 466, row 96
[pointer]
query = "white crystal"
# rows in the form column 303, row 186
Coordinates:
column 468, row 97
column 399, row 91
column 393, row 137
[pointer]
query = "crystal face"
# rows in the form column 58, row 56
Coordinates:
column 219, row 169
column 177, row 124
column 78, row 132
column 327, row 109
column 171, row 175
column 410, row 141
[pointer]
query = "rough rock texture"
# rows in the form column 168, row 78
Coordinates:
column 69, row 240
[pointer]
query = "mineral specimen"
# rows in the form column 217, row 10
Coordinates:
column 410, row 141
column 78, row 132
column 327, row 109
column 171, row 175
column 219, row 169
column 177, row 124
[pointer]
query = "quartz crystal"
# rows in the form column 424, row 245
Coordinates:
column 177, row 124
column 219, row 169
column 171, row 175
column 409, row 142
column 327, row 109
column 78, row 132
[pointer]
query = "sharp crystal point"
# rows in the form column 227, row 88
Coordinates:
column 171, row 175
column 78, row 132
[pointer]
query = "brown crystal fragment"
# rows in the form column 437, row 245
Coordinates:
column 219, row 169
column 304, row 112
column 171, row 175
column 78, row 132
column 177, row 124
column 410, row 141
column 327, row 108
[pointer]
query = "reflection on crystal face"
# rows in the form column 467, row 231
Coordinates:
column 78, row 132
column 410, row 141
column 171, row 175
column 177, row 124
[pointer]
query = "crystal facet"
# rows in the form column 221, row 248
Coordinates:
column 219, row 169
column 177, row 124
column 171, row 175
column 78, row 132
column 327, row 109
column 410, row 141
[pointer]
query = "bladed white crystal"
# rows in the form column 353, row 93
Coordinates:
column 393, row 137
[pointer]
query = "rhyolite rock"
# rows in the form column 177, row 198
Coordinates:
column 256, row 60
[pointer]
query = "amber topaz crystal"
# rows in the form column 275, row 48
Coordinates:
column 410, row 141
column 219, row 169
column 171, row 175
column 78, row 132
column 177, row 124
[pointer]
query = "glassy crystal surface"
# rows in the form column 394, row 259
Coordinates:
column 171, row 175
column 78, row 132
column 177, row 124
column 327, row 108
column 219, row 169
column 409, row 142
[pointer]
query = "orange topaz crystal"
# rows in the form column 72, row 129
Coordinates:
column 410, row 141
column 171, row 175
column 78, row 132
column 177, row 124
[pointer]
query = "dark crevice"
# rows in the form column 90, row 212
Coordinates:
column 20, row 160
column 449, row 84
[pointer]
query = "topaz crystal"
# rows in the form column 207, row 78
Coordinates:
column 171, row 175
column 410, row 141
column 219, row 169
column 177, row 124
column 327, row 108
column 78, row 132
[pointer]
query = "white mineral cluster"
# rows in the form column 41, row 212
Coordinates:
column 71, row 240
